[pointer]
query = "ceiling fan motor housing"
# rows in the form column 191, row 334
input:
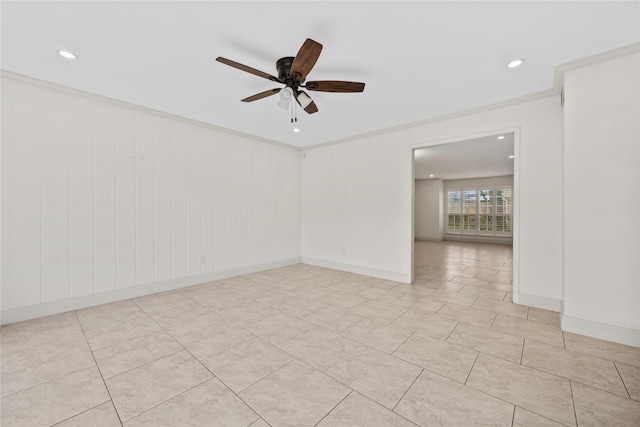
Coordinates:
column 283, row 65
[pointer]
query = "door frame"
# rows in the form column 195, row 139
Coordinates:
column 516, row 195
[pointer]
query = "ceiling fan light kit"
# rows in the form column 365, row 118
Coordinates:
column 292, row 72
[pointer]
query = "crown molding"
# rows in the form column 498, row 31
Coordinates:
column 555, row 90
column 139, row 108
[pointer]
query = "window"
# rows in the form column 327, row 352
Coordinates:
column 481, row 211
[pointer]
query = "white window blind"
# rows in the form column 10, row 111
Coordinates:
column 483, row 211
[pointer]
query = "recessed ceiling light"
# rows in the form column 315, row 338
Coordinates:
column 431, row 176
column 501, row 137
column 511, row 156
column 515, row 63
column 67, row 54
column 296, row 130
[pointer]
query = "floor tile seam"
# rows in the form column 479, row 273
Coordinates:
column 391, row 410
column 542, row 322
column 602, row 390
column 144, row 364
column 587, row 353
column 622, row 379
column 167, row 400
column 324, row 371
column 168, row 355
column 297, row 335
column 407, row 391
column 48, row 381
column 293, row 358
column 573, row 403
column 90, row 409
column 435, row 372
column 540, row 370
column 452, row 331
column 579, row 353
column 404, row 360
column 495, row 316
column 334, row 407
column 161, row 328
column 523, row 336
column 128, row 339
column 487, row 354
column 509, row 402
column 104, row 383
column 472, row 366
column 57, row 377
column 257, row 382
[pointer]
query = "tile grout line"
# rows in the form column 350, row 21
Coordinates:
column 470, row 370
column 98, row 367
column 513, row 417
column 335, row 406
column 407, row 391
column 171, row 398
column 84, row 412
column 573, row 403
column 621, row 379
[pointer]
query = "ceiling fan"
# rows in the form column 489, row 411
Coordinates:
column 292, row 72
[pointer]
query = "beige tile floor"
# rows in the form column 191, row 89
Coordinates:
column 306, row 346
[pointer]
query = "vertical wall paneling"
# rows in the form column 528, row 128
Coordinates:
column 162, row 199
column 194, row 200
column 24, row 220
column 145, row 245
column 277, row 217
column 178, row 200
column 253, row 217
column 292, row 190
column 206, row 166
column 81, row 163
column 99, row 197
column 125, row 198
column 232, row 205
column 265, row 199
column 243, row 196
column 219, row 205
column 104, row 197
column 6, row 136
column 54, row 196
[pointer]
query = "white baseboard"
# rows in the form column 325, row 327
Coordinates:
column 538, row 301
column 602, row 331
column 367, row 271
column 70, row 304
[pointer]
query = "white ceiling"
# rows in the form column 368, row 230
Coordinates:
column 419, row 59
column 473, row 158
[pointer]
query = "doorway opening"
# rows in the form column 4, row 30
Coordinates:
column 465, row 205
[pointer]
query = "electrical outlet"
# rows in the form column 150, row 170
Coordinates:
column 203, row 259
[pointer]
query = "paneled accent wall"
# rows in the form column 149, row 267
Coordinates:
column 99, row 196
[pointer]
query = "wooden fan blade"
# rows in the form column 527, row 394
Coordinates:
column 261, row 95
column 248, row 69
column 335, row 86
column 305, row 59
column 311, row 108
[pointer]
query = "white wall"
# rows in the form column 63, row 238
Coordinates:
column 356, row 196
column 429, row 209
column 102, row 201
column 602, row 200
